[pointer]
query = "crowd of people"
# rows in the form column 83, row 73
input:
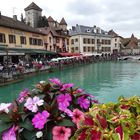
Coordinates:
column 10, row 71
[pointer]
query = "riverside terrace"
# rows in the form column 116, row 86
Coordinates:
column 16, row 72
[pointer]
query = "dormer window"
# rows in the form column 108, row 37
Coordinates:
column 88, row 30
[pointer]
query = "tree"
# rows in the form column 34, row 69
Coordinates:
column 43, row 22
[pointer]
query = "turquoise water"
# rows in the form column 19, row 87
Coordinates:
column 106, row 81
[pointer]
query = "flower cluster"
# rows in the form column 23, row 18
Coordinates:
column 52, row 111
column 111, row 121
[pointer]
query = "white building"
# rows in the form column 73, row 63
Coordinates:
column 90, row 40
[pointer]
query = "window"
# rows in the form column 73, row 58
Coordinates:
column 84, row 49
column 109, row 42
column 50, row 39
column 103, row 41
column 35, row 41
column 2, row 38
column 72, row 49
column 88, row 41
column 115, row 45
column 22, row 39
column 98, row 41
column 93, row 41
column 76, row 40
column 88, row 49
column 76, row 48
column 115, row 39
column 84, row 40
column 72, row 41
column 67, row 41
column 12, row 39
column 93, row 49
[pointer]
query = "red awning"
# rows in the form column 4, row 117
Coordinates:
column 70, row 54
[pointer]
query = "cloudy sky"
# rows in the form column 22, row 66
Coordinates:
column 123, row 16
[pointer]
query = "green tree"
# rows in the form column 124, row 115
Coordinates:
column 43, row 22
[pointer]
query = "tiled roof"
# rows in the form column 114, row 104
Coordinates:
column 33, row 6
column 50, row 19
column 130, row 43
column 47, row 30
column 111, row 32
column 63, row 22
column 15, row 24
column 87, row 30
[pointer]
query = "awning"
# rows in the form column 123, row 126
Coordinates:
column 4, row 53
column 70, row 54
column 27, row 51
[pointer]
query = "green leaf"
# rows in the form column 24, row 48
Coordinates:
column 4, row 126
column 27, row 125
column 5, row 117
column 65, row 122
column 28, row 135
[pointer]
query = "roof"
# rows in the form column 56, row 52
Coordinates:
column 87, row 30
column 50, row 19
column 63, row 22
column 111, row 32
column 33, row 6
column 16, row 24
column 47, row 30
column 130, row 43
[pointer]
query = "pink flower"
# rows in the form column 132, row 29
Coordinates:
column 32, row 104
column 68, row 112
column 83, row 102
column 9, row 134
column 63, row 101
column 61, row 133
column 79, row 90
column 40, row 119
column 66, row 86
column 55, row 81
column 22, row 95
column 5, row 107
column 77, row 116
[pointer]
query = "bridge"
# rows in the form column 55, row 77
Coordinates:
column 129, row 57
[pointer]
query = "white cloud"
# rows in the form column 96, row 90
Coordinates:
column 122, row 16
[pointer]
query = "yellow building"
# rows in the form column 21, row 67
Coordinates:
column 17, row 38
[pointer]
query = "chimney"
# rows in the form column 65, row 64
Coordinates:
column 73, row 28
column 15, row 17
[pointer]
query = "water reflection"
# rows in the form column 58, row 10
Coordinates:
column 107, row 81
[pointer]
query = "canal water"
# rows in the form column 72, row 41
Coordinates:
column 105, row 80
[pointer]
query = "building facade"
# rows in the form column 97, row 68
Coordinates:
column 56, row 35
column 130, row 46
column 17, row 38
column 116, row 43
column 90, row 40
column 32, row 14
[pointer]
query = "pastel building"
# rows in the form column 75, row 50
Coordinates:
column 130, row 46
column 56, row 35
column 17, row 38
column 90, row 40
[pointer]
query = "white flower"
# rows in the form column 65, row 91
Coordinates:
column 39, row 134
column 42, row 82
column 4, row 107
column 32, row 104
